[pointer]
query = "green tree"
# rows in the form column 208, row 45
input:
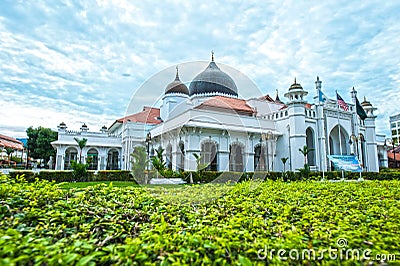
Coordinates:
column 158, row 161
column 305, row 172
column 79, row 171
column 82, row 144
column 39, row 143
column 284, row 160
column 9, row 152
column 200, row 166
column 139, row 162
column 305, row 151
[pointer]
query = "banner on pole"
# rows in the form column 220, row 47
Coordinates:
column 346, row 162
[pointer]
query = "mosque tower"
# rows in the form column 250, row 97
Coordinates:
column 175, row 96
column 297, row 128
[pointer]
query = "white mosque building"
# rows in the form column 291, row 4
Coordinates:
column 233, row 134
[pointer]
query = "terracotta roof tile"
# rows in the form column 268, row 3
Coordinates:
column 222, row 102
column 267, row 98
column 8, row 142
column 149, row 115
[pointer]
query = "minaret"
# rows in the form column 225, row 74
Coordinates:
column 318, row 84
column 277, row 97
column 174, row 99
column 371, row 146
column 297, row 124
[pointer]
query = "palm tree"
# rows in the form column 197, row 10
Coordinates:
column 81, row 144
column 1, row 151
column 284, row 160
column 9, row 151
column 158, row 161
column 139, row 161
column 305, row 151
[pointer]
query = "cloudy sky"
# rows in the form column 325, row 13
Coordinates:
column 81, row 61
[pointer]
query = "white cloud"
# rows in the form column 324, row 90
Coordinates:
column 86, row 58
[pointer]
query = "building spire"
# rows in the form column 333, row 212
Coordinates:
column 295, row 80
column 212, row 55
column 177, row 73
column 277, row 97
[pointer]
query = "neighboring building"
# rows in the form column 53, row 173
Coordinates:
column 394, row 157
column 233, row 134
column 9, row 142
column 104, row 148
column 395, row 128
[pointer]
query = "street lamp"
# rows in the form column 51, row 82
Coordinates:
column 394, row 155
column 148, row 141
column 269, row 137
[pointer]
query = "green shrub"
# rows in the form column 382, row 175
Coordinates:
column 113, row 175
column 28, row 175
column 79, row 171
column 41, row 224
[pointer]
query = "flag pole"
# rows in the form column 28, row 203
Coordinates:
column 322, row 142
column 340, row 137
column 320, row 128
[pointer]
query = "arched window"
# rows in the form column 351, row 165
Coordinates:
column 209, row 155
column 71, row 154
column 112, row 159
column 236, row 157
column 311, row 145
column 181, row 156
column 259, row 158
column 168, row 156
column 92, row 159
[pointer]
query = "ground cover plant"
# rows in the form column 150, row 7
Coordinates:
column 43, row 224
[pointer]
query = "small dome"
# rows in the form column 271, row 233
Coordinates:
column 177, row 86
column 295, row 86
column 366, row 103
column 213, row 81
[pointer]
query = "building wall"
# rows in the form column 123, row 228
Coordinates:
column 395, row 128
column 103, row 143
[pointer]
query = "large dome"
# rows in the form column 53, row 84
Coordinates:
column 213, row 81
column 177, row 86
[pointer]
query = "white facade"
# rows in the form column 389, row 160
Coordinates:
column 104, row 148
column 232, row 134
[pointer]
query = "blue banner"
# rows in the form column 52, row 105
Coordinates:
column 346, row 162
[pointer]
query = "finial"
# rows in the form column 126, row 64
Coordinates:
column 295, row 80
column 353, row 88
column 212, row 55
column 276, row 92
column 177, row 73
column 317, row 78
column 365, row 99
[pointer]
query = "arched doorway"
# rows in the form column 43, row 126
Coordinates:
column 236, row 157
column 259, row 158
column 92, row 159
column 209, row 155
column 339, row 146
column 71, row 154
column 363, row 150
column 311, row 146
column 112, row 159
column 168, row 156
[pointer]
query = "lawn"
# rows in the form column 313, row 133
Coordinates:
column 70, row 185
column 247, row 223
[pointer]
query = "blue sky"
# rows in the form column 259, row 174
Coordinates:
column 81, row 61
